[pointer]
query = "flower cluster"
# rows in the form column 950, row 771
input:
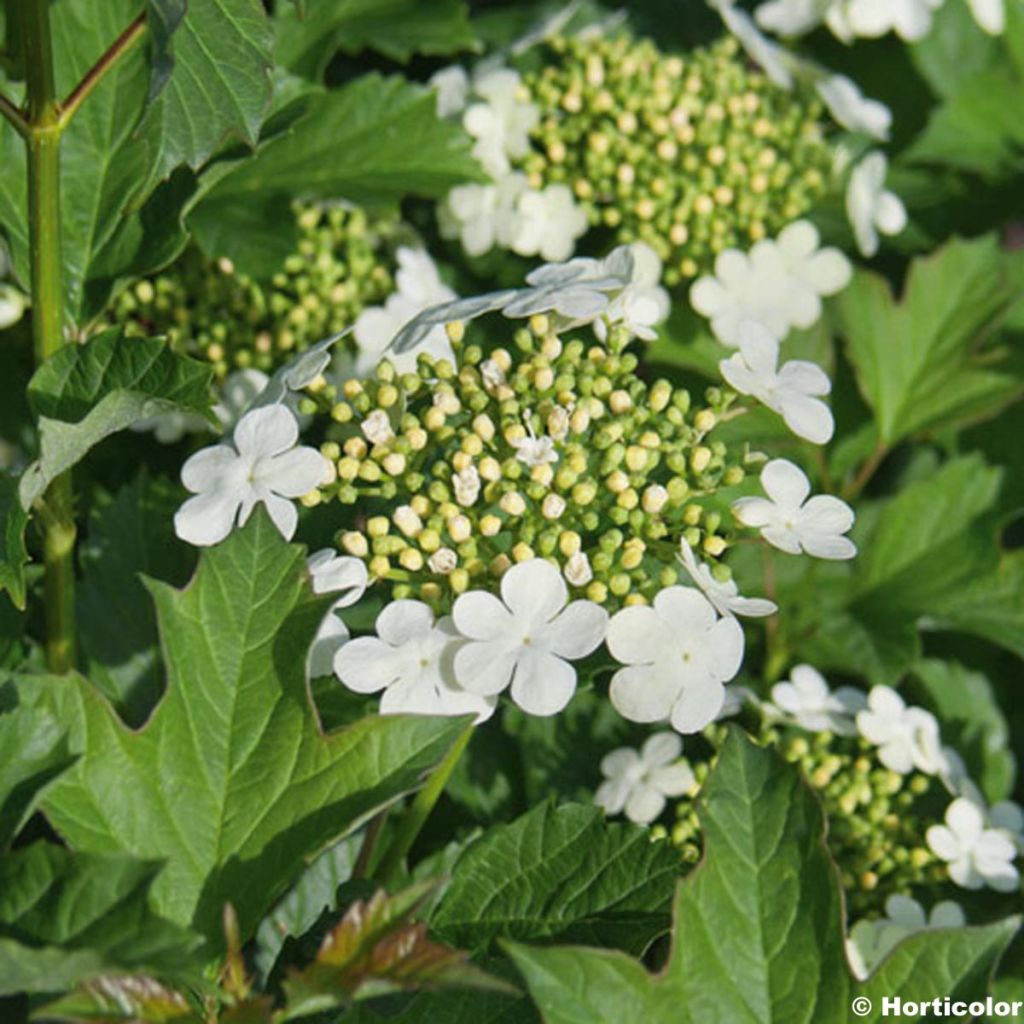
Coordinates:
column 902, row 812
column 690, row 155
column 210, row 310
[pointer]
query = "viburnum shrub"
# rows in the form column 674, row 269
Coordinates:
column 509, row 513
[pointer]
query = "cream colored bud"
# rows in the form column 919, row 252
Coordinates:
column 577, row 570
column 515, row 432
column 489, row 468
column 348, row 468
column 447, row 402
column 394, row 464
column 377, row 427
column 456, row 331
column 378, row 526
column 490, row 526
column 407, row 520
column 522, row 552
column 714, row 546
column 512, row 504
column 553, row 506
column 705, row 420
column 467, row 486
column 472, row 445
column 420, row 504
column 616, row 482
column 411, row 559
column 492, row 374
column 620, row 402
column 542, row 474
column 655, row 498
column 461, row 461
column 434, row 418
column 355, row 448
column 459, row 528
column 379, row 567
column 636, row 458
column 543, row 378
column 417, row 438
column 699, row 458
column 483, row 426
column 558, row 423
column 311, row 498
column 579, row 421
column 539, row 324
column 443, row 561
column 569, row 543
column 429, row 540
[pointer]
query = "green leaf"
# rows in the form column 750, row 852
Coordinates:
column 954, row 50
column 758, row 926
column 917, row 361
column 559, row 871
column 163, row 18
column 128, row 536
column 306, row 41
column 457, row 1006
column 972, row 723
column 133, row 999
column 35, row 752
column 374, row 140
column 85, row 393
column 231, row 780
column 14, row 554
column 220, row 86
column 65, row 917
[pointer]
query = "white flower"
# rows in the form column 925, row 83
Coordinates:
column 774, row 60
column 491, row 374
column 907, row 738
column 577, row 569
column 806, row 698
column 989, row 14
column 376, row 427
column 482, row 216
column 871, row 941
column 502, row 123
column 410, row 660
column 466, row 483
column 12, row 305
column 527, row 638
column 910, row 19
column 443, row 561
column 643, row 303
column 725, row 597
column 418, row 287
column 792, row 391
column 332, row 573
column 852, row 109
column 870, row 207
column 639, row 782
column 977, row 856
column 678, row 655
column 171, row 427
column 791, row 522
column 262, row 465
column 532, row 450
column 791, row 17
column 452, row 87
column 778, row 284
column 547, row 223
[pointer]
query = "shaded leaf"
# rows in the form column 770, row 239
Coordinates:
column 559, row 872
column 231, row 780
column 163, row 17
column 14, row 554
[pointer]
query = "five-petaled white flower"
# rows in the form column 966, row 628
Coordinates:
column 778, row 284
column 724, row 596
column 482, row 216
column 533, row 450
column 870, row 207
column 331, row 573
column 262, row 465
column 638, row 782
column 678, row 655
column 410, row 660
column 791, row 521
column 977, row 856
column 906, row 737
column 502, row 122
column 871, row 941
column 852, row 109
column 547, row 223
column 792, row 390
column 451, row 84
column 909, row 19
column 642, row 304
column 807, row 700
column 527, row 638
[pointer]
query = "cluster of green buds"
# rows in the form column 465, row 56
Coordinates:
column 552, row 448
column 877, row 818
column 691, row 155
column 210, row 310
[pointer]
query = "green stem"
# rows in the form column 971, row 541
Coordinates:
column 43, row 149
column 422, row 805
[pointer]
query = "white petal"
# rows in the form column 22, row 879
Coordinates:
column 644, row 693
column 620, row 763
column 644, row 805
column 207, row 518
column 947, row 914
column 798, row 240
column 826, row 514
column 283, row 515
column 989, row 14
column 673, row 779
column 785, row 483
column 966, row 821
column 210, row 469
column 963, row 872
column 698, row 705
column 481, row 616
column 543, row 684
column 809, row 418
column 484, row 668
column 943, row 843
column 367, row 665
column 835, row 549
column 805, row 377
column 685, row 609
column 829, row 271
column 402, row 620
column 708, row 297
column 637, row 635
column 293, row 473
column 890, row 214
column 612, row 795
column 755, row 512
column 330, row 638
column 534, row 591
column 578, row 630
column 266, row 431
column 726, row 649
column 661, row 749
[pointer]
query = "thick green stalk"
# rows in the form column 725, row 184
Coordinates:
column 43, row 149
column 419, row 811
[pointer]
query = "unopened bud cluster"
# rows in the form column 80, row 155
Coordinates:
column 209, row 310
column 550, row 448
column 691, row 155
column 877, row 818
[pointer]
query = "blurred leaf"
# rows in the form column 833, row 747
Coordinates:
column 85, row 393
column 917, row 361
column 377, row 948
column 307, row 40
column 66, row 916
column 758, row 926
column 954, row 50
column 134, row 999
column 231, row 780
column 972, row 723
column 14, row 555
column 559, row 871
